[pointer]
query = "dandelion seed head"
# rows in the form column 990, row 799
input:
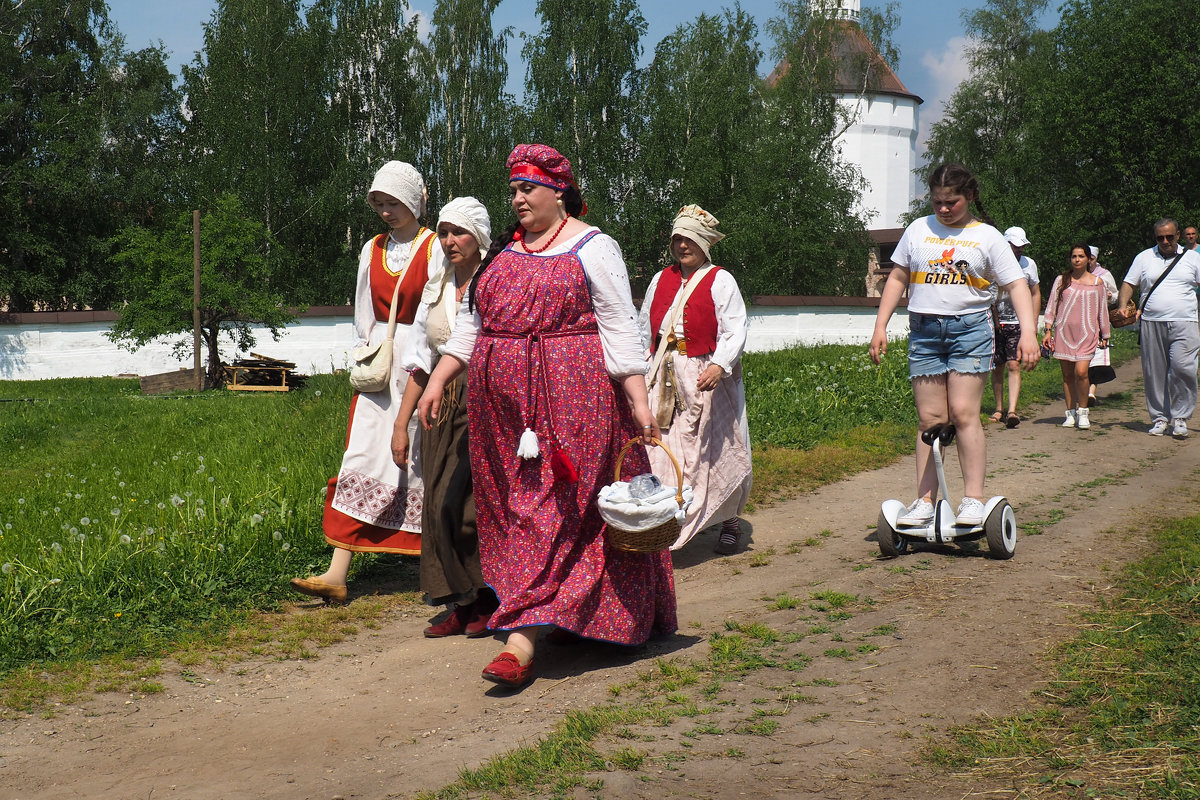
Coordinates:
column 6, row 567
column 56, row 547
column 211, row 479
column 255, row 519
column 82, row 537
column 55, row 581
column 85, row 521
column 57, row 510
column 74, row 531
column 125, row 539
column 148, row 531
column 277, row 536
column 317, row 393
column 78, row 496
column 116, row 512
column 176, row 500
column 20, row 501
column 220, row 548
column 199, row 513
column 286, row 547
column 283, row 469
column 121, row 484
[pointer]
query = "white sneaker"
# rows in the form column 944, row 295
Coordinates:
column 1081, row 418
column 970, row 512
column 919, row 513
column 1070, row 421
column 1179, row 429
column 1158, row 428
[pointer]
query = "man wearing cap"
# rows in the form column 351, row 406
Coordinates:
column 1167, row 276
column 1008, row 332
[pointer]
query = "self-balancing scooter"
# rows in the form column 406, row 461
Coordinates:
column 999, row 522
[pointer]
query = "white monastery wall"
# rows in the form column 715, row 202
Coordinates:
column 321, row 344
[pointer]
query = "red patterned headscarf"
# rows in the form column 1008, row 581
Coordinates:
column 541, row 164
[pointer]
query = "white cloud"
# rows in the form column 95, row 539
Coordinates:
column 946, row 71
column 424, row 24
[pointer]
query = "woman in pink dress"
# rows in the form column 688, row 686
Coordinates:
column 1076, row 324
column 556, row 388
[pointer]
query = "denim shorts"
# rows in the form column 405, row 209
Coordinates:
column 939, row 344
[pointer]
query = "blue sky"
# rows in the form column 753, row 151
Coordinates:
column 929, row 37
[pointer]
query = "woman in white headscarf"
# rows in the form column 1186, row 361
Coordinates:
column 374, row 506
column 450, row 570
column 695, row 321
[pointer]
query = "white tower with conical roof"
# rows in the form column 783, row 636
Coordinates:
column 882, row 138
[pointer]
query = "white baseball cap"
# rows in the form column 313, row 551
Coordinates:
column 1016, row 237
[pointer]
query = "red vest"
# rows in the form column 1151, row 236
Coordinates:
column 383, row 282
column 699, row 314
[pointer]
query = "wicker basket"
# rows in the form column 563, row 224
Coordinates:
column 661, row 536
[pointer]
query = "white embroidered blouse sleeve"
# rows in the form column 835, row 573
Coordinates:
column 466, row 330
column 364, row 307
column 416, row 353
column 649, row 337
column 731, row 321
column 612, row 302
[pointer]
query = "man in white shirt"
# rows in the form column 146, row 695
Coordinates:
column 1169, row 333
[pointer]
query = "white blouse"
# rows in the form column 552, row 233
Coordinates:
column 731, row 319
column 612, row 302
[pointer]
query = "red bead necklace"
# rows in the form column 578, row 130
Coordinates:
column 520, row 237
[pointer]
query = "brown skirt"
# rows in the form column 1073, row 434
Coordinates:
column 450, row 571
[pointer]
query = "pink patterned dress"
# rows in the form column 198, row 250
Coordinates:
column 541, row 540
column 1079, row 319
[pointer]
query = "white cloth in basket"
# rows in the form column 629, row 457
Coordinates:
column 622, row 510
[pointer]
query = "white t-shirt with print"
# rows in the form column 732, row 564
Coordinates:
column 951, row 270
column 1175, row 298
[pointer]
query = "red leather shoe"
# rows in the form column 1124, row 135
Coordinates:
column 452, row 625
column 506, row 670
column 477, row 626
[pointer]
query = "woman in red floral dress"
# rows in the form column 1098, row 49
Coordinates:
column 556, row 388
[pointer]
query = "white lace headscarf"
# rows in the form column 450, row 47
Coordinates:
column 470, row 215
column 403, row 182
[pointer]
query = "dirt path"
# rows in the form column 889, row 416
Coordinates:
column 937, row 638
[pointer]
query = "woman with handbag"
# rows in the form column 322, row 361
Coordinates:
column 373, row 506
column 1076, row 325
column 695, row 320
column 556, row 388
column 450, row 570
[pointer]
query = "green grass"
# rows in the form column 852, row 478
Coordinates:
column 1121, row 717
column 132, row 526
column 129, row 524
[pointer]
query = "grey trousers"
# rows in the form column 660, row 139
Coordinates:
column 1169, row 354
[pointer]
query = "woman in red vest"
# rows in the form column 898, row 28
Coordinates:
column 695, row 321
column 374, row 506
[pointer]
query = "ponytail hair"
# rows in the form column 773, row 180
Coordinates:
column 959, row 179
column 498, row 244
